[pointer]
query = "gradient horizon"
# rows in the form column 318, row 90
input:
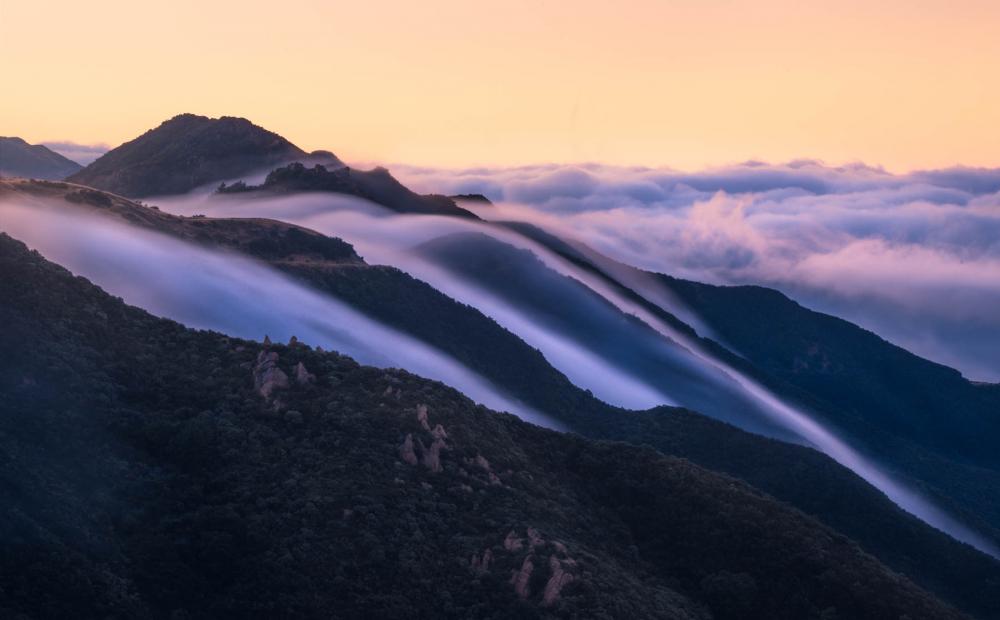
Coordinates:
column 686, row 84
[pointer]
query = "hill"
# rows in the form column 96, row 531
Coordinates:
column 33, row 161
column 190, row 151
column 923, row 419
column 152, row 470
column 799, row 476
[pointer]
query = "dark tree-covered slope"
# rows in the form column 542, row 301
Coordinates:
column 911, row 397
column 149, row 470
column 799, row 476
column 923, row 419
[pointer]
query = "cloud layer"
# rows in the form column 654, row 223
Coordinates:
column 82, row 154
column 915, row 257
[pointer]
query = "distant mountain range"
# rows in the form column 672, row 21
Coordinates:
column 20, row 159
column 333, row 495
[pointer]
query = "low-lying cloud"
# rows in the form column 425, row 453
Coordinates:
column 387, row 238
column 82, row 154
column 914, row 257
column 200, row 288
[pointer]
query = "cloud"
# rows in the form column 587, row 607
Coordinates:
column 851, row 240
column 200, row 287
column 82, row 154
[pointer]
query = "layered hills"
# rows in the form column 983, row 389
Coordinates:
column 799, row 476
column 154, row 471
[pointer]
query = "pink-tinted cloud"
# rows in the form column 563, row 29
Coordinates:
column 914, row 257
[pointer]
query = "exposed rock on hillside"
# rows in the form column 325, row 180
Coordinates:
column 267, row 377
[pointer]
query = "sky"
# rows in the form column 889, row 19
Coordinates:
column 906, row 84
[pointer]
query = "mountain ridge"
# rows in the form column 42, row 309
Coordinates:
column 239, row 503
column 20, row 159
column 791, row 473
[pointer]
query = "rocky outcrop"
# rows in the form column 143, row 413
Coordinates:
column 521, row 579
column 561, row 566
column 406, row 451
column 303, row 376
column 431, row 457
column 267, row 377
column 558, row 579
column 422, row 417
column 414, row 450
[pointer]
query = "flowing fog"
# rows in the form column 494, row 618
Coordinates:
column 389, row 239
column 226, row 293
column 914, row 258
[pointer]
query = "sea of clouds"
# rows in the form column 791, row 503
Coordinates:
column 913, row 257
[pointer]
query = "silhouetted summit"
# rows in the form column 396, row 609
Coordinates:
column 189, row 151
column 35, row 161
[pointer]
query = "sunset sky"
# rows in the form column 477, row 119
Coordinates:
column 684, row 83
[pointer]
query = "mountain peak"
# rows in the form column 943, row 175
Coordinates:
column 185, row 152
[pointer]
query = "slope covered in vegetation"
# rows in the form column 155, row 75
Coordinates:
column 799, row 476
column 152, row 471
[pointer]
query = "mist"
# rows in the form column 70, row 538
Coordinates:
column 386, row 238
column 914, row 258
column 124, row 260
column 231, row 294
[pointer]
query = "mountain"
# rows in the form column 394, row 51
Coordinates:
column 150, row 470
column 923, row 419
column 33, row 161
column 375, row 185
column 190, row 151
column 799, row 476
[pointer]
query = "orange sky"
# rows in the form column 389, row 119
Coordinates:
column 685, row 83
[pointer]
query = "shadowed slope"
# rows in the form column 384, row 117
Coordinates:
column 146, row 475
column 797, row 475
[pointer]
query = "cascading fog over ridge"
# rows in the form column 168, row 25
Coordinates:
column 383, row 237
column 231, row 294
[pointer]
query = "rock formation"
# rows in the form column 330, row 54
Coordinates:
column 406, row 451
column 267, row 377
column 521, row 578
column 303, row 376
column 557, row 581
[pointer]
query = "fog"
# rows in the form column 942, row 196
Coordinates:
column 200, row 287
column 230, row 294
column 390, row 239
column 914, row 258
